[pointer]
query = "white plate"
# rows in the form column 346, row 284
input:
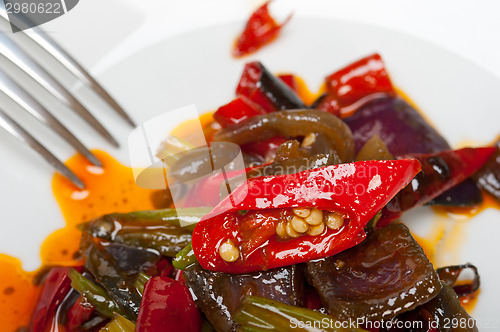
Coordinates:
column 196, row 68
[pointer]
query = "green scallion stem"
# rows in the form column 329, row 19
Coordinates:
column 94, row 294
column 258, row 314
column 184, row 258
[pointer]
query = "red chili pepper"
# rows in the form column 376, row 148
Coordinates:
column 356, row 190
column 79, row 313
column 207, row 191
column 290, row 80
column 327, row 103
column 236, row 111
column 359, row 80
column 260, row 29
column 266, row 90
column 440, row 172
column 167, row 305
column 178, row 276
column 249, row 79
column 164, row 267
column 311, row 299
column 265, row 148
column 55, row 288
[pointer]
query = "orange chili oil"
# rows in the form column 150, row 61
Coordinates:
column 112, row 189
column 108, row 189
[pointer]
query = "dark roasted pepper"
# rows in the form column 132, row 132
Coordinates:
column 385, row 275
column 440, row 172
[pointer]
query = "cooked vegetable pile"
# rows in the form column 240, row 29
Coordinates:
column 306, row 235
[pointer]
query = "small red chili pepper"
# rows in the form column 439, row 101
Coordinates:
column 236, row 111
column 164, row 267
column 206, row 192
column 260, row 29
column 167, row 305
column 440, row 172
column 79, row 313
column 265, row 148
column 249, row 79
column 266, row 90
column 328, row 103
column 358, row 80
column 178, row 276
column 356, row 190
column 311, row 299
column 290, row 80
column 55, row 288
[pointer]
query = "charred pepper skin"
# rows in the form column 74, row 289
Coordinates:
column 266, row 90
column 387, row 274
column 334, row 188
column 406, row 132
column 219, row 294
column 440, row 172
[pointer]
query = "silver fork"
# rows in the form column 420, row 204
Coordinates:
column 9, row 87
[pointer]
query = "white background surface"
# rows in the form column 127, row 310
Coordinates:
column 468, row 28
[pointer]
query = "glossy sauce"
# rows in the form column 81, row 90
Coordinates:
column 17, row 294
column 113, row 189
column 451, row 238
column 107, row 190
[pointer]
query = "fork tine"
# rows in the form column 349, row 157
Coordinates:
column 17, row 56
column 22, row 135
column 74, row 67
column 51, row 47
column 29, row 104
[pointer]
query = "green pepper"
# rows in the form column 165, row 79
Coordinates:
column 94, row 294
column 260, row 314
column 167, row 230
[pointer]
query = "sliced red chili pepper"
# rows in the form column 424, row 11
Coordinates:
column 440, row 172
column 358, row 80
column 236, row 111
column 207, row 191
column 265, row 148
column 289, row 80
column 328, row 103
column 167, row 304
column 55, row 287
column 265, row 89
column 356, row 190
column 260, row 29
column 164, row 267
column 489, row 176
column 79, row 313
